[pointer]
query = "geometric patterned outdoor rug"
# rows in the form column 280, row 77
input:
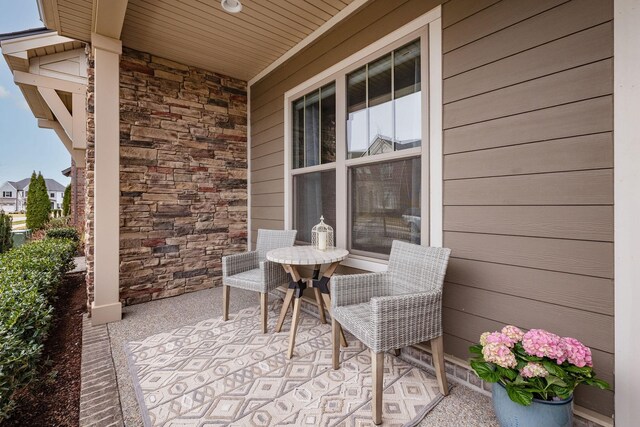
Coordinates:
column 229, row 373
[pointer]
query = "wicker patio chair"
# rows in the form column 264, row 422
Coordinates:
column 394, row 309
column 251, row 271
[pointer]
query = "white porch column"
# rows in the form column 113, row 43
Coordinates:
column 626, row 209
column 106, row 306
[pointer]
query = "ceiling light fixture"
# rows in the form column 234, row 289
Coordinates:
column 231, row 6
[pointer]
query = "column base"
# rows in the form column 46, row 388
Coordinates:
column 101, row 314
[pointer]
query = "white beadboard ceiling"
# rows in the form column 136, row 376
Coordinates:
column 202, row 34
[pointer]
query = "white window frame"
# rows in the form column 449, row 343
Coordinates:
column 429, row 28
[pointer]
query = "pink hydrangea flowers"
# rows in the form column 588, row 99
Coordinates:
column 513, row 332
column 536, row 363
column 496, row 338
column 533, row 369
column 575, row 352
column 540, row 343
column 536, row 342
column 499, row 354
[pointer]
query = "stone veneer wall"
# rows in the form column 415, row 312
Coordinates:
column 77, row 196
column 183, row 176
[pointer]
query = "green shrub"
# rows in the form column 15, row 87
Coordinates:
column 38, row 204
column 66, row 201
column 6, row 239
column 62, row 222
column 29, row 278
column 63, row 233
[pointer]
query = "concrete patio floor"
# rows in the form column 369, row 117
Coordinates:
column 463, row 406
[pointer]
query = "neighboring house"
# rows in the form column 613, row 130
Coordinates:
column 14, row 194
column 187, row 120
column 9, row 197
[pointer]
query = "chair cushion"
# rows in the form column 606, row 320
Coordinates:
column 250, row 280
column 357, row 320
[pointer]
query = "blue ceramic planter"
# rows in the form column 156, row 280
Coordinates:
column 540, row 413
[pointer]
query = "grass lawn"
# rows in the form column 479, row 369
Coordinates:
column 19, row 221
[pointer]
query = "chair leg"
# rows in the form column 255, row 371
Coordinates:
column 396, row 352
column 437, row 351
column 335, row 343
column 263, row 310
column 225, row 302
column 377, row 370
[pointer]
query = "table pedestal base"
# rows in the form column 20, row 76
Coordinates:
column 297, row 285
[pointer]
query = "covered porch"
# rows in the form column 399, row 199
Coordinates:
column 198, row 126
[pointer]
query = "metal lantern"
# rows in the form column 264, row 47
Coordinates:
column 322, row 236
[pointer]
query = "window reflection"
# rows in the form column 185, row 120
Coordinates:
column 328, row 123
column 314, row 194
column 384, row 104
column 385, row 205
column 298, row 133
column 406, row 82
column 357, row 112
column 314, row 127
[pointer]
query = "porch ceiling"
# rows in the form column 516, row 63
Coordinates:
column 201, row 33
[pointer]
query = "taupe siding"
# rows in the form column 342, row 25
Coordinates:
column 528, row 192
column 528, row 172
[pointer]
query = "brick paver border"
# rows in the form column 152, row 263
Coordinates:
column 99, row 398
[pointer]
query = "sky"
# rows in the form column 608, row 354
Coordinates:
column 23, row 146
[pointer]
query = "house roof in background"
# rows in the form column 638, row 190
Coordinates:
column 52, row 184
column 66, row 172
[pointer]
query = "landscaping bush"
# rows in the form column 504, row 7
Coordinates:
column 6, row 240
column 29, row 278
column 38, row 204
column 62, row 222
column 63, row 233
column 66, row 201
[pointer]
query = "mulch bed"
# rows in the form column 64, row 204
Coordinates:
column 55, row 400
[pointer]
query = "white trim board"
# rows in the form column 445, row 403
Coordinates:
column 249, row 233
column 431, row 153
column 626, row 208
column 354, row 6
column 33, row 42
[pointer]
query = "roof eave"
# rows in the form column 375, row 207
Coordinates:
column 48, row 11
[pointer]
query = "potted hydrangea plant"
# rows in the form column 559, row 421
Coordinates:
column 534, row 375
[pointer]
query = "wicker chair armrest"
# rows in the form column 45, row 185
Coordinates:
column 273, row 274
column 238, row 263
column 403, row 320
column 357, row 288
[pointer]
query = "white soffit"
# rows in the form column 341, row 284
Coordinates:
column 200, row 33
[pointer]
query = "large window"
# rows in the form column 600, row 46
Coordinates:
column 7, row 194
column 357, row 150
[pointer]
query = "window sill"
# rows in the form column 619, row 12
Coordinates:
column 365, row 263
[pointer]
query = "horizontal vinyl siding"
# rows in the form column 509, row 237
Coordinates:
column 528, row 171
